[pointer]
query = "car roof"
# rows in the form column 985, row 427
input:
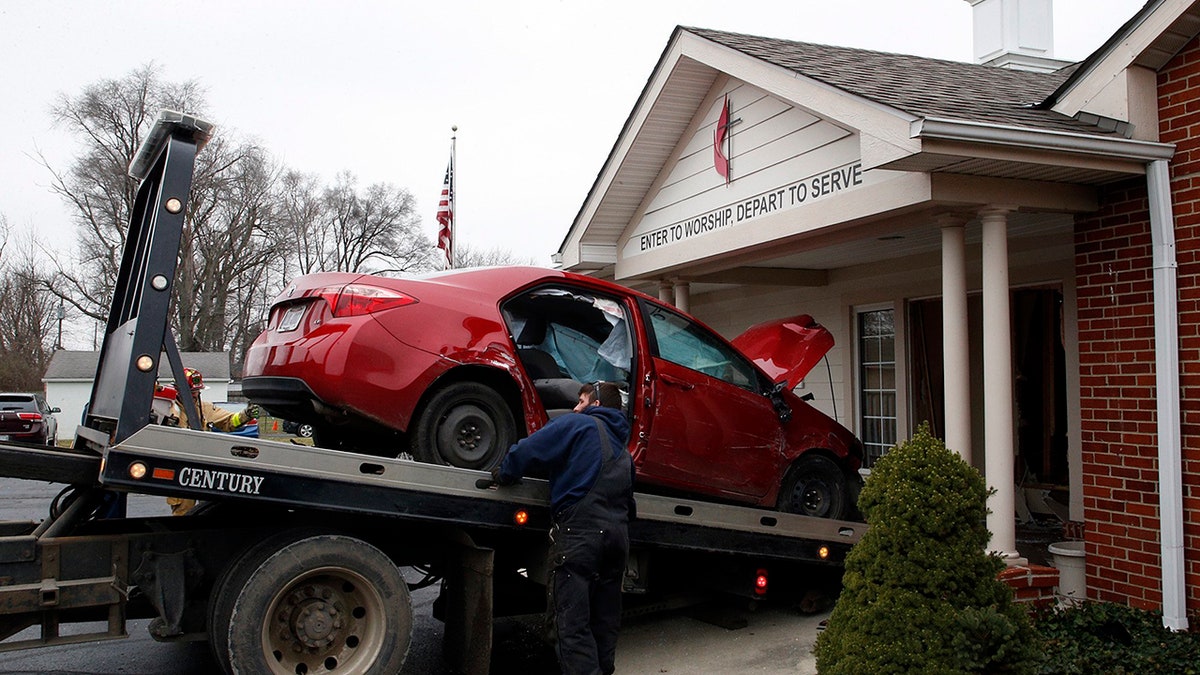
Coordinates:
column 495, row 282
column 513, row 277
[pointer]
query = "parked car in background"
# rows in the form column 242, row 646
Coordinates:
column 28, row 418
column 301, row 429
column 455, row 366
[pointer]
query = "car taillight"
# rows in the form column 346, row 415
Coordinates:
column 32, row 417
column 359, row 299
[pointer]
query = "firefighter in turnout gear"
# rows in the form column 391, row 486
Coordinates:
column 210, row 415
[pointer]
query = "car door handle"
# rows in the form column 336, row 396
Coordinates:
column 678, row 382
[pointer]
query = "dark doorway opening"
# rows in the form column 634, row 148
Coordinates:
column 1039, row 381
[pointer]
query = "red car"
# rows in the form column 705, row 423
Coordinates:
column 456, row 366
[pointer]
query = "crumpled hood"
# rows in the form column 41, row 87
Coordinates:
column 786, row 349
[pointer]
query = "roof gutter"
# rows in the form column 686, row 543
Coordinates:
column 1061, row 141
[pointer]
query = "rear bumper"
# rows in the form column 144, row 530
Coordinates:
column 36, row 435
column 288, row 397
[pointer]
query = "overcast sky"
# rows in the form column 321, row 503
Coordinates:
column 539, row 89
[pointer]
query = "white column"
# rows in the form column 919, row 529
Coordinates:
column 682, row 295
column 956, row 363
column 998, row 386
column 664, row 292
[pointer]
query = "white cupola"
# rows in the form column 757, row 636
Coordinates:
column 1016, row 34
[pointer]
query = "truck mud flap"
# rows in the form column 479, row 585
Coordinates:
column 467, row 598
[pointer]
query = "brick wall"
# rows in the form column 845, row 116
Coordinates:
column 1032, row 585
column 1116, row 334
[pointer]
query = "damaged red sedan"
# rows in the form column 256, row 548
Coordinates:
column 456, row 366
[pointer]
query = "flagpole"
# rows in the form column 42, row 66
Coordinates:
column 454, row 163
column 446, row 207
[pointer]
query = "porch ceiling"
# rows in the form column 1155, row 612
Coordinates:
column 997, row 168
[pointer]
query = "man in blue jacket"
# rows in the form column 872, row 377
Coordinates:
column 591, row 497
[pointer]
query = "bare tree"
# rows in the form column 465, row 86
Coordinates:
column 468, row 256
column 27, row 315
column 228, row 244
column 227, row 237
column 300, row 215
column 111, row 118
column 371, row 231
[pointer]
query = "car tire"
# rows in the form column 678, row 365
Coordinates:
column 465, row 424
column 815, row 487
column 331, row 437
column 304, row 431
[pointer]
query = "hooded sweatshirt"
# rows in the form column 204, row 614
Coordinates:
column 567, row 450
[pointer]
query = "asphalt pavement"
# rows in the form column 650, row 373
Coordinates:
column 765, row 638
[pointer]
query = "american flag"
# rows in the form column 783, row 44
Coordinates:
column 445, row 215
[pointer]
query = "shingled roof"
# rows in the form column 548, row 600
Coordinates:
column 922, row 87
column 81, row 365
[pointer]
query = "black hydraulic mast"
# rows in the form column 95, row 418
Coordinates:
column 138, row 333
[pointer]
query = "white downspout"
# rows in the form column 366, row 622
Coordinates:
column 1166, row 368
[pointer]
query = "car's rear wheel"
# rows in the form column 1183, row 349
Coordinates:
column 466, row 424
column 326, row 436
column 816, row 487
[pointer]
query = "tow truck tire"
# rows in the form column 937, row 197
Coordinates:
column 325, row 603
column 466, row 424
column 231, row 580
column 816, row 487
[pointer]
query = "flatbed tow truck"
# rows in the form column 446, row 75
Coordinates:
column 292, row 562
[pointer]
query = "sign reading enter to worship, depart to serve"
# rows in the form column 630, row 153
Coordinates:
column 786, row 197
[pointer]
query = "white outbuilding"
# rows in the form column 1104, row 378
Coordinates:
column 68, row 381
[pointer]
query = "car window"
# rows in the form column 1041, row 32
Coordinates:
column 17, row 402
column 587, row 336
column 684, row 342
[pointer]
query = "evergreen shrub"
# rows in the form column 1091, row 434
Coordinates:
column 920, row 594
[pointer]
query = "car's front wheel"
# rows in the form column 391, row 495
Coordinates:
column 466, row 424
column 816, row 487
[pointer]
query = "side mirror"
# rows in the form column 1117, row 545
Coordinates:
column 782, row 409
column 56, row 410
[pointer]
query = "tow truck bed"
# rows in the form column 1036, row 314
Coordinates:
column 48, row 464
column 207, row 466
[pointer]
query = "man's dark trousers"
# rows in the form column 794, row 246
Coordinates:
column 588, row 554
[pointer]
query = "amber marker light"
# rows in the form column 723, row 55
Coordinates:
column 137, row 471
column 823, row 552
column 521, row 517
